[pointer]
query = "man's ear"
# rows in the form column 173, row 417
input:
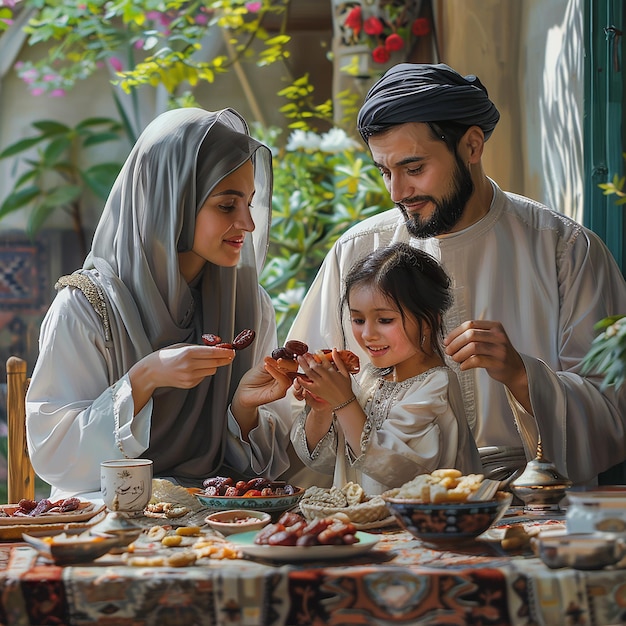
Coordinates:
column 472, row 144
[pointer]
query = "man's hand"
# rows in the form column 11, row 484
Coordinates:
column 483, row 343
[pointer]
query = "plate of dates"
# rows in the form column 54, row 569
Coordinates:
column 261, row 494
column 292, row 538
column 245, row 543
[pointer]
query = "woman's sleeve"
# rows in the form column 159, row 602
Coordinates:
column 266, row 451
column 75, row 418
column 419, row 434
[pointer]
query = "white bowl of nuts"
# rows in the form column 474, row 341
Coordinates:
column 238, row 521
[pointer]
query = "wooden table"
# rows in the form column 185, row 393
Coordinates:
column 398, row 582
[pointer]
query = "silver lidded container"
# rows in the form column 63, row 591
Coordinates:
column 540, row 486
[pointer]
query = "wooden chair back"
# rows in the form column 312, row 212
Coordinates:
column 21, row 475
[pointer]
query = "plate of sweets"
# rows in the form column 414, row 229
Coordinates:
column 224, row 493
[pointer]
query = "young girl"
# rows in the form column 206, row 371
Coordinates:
column 405, row 415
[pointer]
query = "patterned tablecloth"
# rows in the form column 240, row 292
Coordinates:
column 399, row 582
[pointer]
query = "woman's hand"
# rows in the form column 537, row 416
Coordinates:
column 262, row 384
column 182, row 365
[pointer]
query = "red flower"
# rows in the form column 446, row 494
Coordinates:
column 380, row 54
column 373, row 26
column 420, row 27
column 354, row 20
column 394, row 42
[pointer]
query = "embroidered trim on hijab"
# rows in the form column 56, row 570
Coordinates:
column 420, row 92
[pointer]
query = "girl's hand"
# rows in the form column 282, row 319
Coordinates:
column 315, row 403
column 330, row 382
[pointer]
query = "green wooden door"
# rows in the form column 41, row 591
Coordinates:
column 604, row 127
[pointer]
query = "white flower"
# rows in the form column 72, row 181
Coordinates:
column 301, row 140
column 292, row 296
column 336, row 140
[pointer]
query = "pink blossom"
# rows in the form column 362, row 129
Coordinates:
column 253, row 7
column 116, row 64
column 138, row 45
column 19, row 65
column 29, row 76
column 201, row 19
column 57, row 93
column 48, row 78
column 36, row 91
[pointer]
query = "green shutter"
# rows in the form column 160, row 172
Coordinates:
column 604, row 127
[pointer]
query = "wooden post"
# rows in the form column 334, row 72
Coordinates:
column 21, row 476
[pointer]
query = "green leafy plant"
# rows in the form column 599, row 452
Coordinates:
column 56, row 178
column 156, row 43
column 323, row 183
column 616, row 186
column 607, row 355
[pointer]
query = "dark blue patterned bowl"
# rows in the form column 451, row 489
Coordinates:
column 447, row 522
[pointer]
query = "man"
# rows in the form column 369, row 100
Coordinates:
column 529, row 283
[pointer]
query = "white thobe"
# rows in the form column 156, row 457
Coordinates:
column 548, row 280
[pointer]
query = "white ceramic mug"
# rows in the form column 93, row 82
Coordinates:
column 126, row 484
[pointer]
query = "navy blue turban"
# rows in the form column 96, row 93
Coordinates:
column 419, row 92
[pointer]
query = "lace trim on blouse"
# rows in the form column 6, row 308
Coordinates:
column 379, row 405
column 322, row 443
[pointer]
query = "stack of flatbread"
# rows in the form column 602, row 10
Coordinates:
column 350, row 500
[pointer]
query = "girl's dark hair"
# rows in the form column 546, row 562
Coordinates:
column 410, row 278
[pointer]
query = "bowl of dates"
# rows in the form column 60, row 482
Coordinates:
column 261, row 494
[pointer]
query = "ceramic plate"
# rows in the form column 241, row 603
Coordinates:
column 286, row 554
column 85, row 511
column 69, row 549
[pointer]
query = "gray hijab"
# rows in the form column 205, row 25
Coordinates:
column 148, row 218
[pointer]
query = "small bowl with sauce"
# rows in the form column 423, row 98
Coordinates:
column 238, row 521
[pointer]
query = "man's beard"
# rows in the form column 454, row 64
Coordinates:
column 448, row 210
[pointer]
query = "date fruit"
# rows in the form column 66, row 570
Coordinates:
column 243, row 339
column 291, row 529
column 240, row 342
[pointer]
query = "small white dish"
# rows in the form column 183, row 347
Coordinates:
column 238, row 521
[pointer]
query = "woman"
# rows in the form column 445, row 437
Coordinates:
column 122, row 369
